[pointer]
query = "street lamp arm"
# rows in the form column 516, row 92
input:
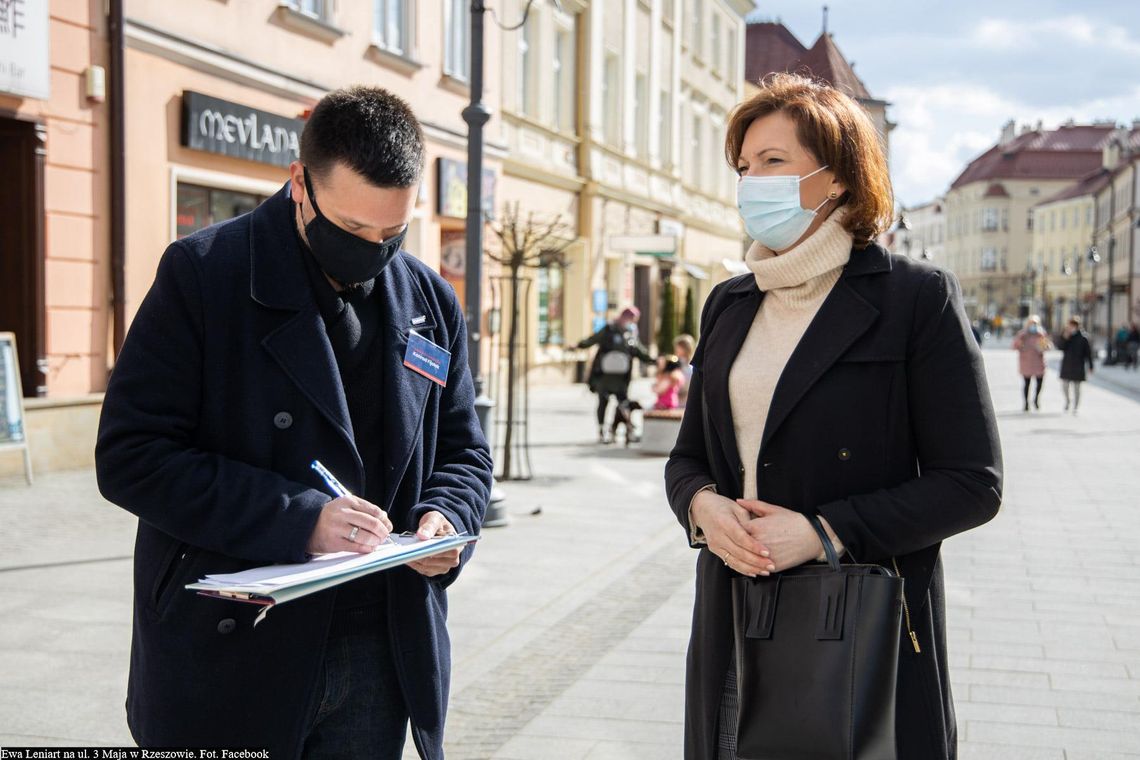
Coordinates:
column 477, row 5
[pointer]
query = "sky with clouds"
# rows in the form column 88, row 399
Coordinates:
column 955, row 72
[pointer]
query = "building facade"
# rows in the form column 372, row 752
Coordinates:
column 1063, row 251
column 613, row 115
column 1115, row 300
column 772, row 48
column 610, row 115
column 55, row 260
column 921, row 232
column 989, row 219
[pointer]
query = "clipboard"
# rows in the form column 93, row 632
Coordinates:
column 271, row 585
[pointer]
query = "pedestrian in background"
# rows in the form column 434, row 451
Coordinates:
column 683, row 347
column 833, row 380
column 1077, row 355
column 612, row 368
column 266, row 342
column 1132, row 346
column 1031, row 343
column 668, row 383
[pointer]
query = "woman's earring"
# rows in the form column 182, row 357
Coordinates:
column 833, row 195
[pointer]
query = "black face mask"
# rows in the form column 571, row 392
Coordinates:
column 346, row 258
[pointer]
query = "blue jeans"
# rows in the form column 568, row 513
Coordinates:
column 361, row 712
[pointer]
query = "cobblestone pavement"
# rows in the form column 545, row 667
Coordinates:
column 570, row 626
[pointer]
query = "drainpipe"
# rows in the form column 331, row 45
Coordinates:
column 118, row 175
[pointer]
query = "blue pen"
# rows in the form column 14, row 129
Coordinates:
column 339, row 490
column 328, row 477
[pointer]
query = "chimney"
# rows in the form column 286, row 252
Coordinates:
column 1007, row 132
column 1110, row 154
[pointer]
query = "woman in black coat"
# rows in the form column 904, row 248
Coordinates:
column 1077, row 354
column 878, row 418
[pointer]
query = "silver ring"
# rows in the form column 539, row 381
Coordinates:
column 352, row 533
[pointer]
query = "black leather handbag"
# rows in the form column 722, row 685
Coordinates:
column 816, row 661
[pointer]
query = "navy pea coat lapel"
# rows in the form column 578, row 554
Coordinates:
column 842, row 318
column 405, row 391
column 300, row 345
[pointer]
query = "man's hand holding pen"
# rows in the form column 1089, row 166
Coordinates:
column 349, row 524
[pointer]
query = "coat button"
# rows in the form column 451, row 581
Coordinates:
column 226, row 626
column 844, row 455
column 283, row 420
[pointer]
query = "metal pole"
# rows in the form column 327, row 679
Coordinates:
column 1108, row 341
column 476, row 114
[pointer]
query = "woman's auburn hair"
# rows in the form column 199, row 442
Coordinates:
column 838, row 133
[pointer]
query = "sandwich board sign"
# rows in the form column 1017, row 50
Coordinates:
column 13, row 435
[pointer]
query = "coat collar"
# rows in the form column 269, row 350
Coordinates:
column 845, row 315
column 301, row 346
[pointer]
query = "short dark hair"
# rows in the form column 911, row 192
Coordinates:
column 368, row 129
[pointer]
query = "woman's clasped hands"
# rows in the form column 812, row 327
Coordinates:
column 754, row 537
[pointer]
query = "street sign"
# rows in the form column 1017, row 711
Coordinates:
column 13, row 434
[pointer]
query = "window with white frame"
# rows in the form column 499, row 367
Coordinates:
column 527, row 53
column 989, row 260
column 990, row 219
column 457, row 39
column 715, row 47
column 392, row 26
column 731, row 73
column 565, row 86
column 641, row 114
column 611, row 98
column 665, row 118
column 697, row 26
column 318, row 9
column 696, row 151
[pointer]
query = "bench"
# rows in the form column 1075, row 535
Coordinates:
column 659, row 429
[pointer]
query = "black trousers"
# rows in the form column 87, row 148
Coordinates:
column 1036, row 392
column 604, row 401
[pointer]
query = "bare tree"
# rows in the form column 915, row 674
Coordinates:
column 531, row 243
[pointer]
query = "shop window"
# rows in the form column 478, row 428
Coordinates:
column 198, row 207
column 548, row 281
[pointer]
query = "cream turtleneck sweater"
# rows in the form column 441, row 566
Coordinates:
column 795, row 284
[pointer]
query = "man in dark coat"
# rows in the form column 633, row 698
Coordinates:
column 612, row 368
column 264, row 343
column 1077, row 353
column 881, row 422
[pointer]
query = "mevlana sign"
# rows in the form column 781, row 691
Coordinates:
column 230, row 129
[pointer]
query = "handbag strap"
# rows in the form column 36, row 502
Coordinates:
column 828, row 547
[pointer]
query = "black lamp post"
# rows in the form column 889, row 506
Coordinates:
column 1109, row 346
column 477, row 114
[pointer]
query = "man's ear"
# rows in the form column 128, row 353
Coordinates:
column 297, row 181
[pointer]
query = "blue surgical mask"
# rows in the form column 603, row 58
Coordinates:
column 771, row 210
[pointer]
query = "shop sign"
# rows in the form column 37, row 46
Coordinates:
column 25, row 68
column 453, row 189
column 230, row 129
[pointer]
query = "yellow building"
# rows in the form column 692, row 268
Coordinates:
column 1062, row 239
column 1117, row 237
column 989, row 219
